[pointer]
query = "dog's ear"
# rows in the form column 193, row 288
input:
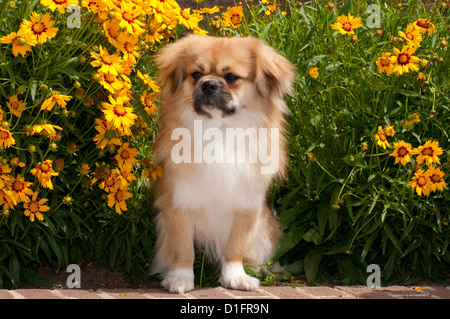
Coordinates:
column 274, row 74
column 170, row 62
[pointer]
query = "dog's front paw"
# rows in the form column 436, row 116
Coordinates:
column 234, row 277
column 179, row 281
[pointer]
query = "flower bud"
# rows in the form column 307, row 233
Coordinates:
column 58, row 164
column 71, row 148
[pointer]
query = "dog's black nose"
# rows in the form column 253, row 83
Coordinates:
column 209, row 87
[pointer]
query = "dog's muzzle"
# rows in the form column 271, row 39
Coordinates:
column 211, row 94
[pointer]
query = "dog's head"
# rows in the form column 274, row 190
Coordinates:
column 220, row 76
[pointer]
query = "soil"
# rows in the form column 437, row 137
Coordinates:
column 92, row 277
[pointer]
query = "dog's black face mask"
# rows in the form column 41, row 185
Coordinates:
column 211, row 94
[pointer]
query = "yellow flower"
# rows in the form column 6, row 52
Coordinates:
column 120, row 116
column 60, row 5
column 421, row 76
column 423, row 63
column 7, row 199
column 389, row 130
column 5, row 170
column 95, row 6
column 107, row 135
column 127, row 15
column 421, row 183
column 415, row 119
column 34, row 208
column 347, row 24
column 412, row 36
column 44, row 172
column 412, row 120
column 404, row 60
column 154, row 31
column 127, row 44
column 381, row 138
column 6, row 138
column 22, row 41
column 424, row 25
column 384, row 63
column 429, row 152
column 19, row 188
column 270, row 9
column 111, row 28
column 125, row 176
column 15, row 106
column 52, row 100
column 117, row 198
column 110, row 81
column 436, row 179
column 45, row 129
column 165, row 5
column 402, row 152
column 16, row 162
column 147, row 101
column 187, row 19
column 126, row 156
column 147, row 81
column 233, row 17
column 42, row 29
column 109, row 183
column 313, row 72
column 208, row 10
column 107, row 62
column 155, row 171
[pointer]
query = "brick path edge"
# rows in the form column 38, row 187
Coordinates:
column 276, row 292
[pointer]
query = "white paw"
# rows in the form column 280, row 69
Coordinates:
column 179, row 281
column 234, row 277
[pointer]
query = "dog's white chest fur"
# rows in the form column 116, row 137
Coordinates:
column 218, row 188
column 221, row 183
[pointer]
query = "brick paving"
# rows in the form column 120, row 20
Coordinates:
column 276, row 292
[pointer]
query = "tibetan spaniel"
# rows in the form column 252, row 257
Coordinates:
column 221, row 145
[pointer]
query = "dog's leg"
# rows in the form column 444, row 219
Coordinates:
column 233, row 274
column 175, row 251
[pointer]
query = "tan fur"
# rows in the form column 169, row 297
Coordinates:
column 253, row 233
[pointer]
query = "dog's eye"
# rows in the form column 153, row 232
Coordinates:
column 196, row 75
column 231, row 78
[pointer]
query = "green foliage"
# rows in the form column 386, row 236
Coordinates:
column 346, row 204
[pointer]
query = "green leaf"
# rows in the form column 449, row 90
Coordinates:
column 346, row 271
column 289, row 241
column 265, row 32
column 323, row 212
column 14, row 270
column 416, row 243
column 368, row 245
column 313, row 235
column 297, row 267
column 312, row 261
column 34, row 278
column 392, row 237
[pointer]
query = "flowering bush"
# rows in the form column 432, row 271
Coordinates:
column 368, row 133
column 78, row 111
column 368, row 137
